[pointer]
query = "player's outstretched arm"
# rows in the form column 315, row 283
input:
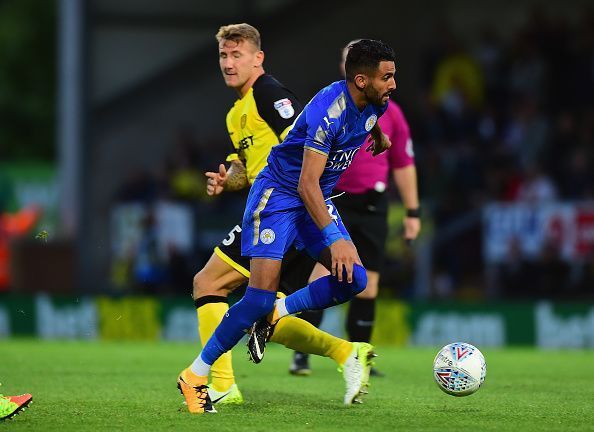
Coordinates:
column 343, row 253
column 381, row 142
column 233, row 179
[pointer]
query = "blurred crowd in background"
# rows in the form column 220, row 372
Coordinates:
column 509, row 121
column 498, row 119
column 150, row 261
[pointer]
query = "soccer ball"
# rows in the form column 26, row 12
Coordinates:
column 459, row 369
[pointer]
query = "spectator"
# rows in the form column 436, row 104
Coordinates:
column 537, row 187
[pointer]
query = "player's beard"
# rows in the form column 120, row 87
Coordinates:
column 373, row 96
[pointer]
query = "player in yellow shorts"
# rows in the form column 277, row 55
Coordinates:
column 259, row 120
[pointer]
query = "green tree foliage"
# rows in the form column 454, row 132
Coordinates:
column 27, row 79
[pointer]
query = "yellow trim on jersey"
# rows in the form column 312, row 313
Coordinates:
column 256, row 215
column 315, row 150
column 232, row 157
column 222, row 255
column 251, row 136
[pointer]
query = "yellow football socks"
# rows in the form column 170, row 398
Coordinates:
column 300, row 335
column 209, row 317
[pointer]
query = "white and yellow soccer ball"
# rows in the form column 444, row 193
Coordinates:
column 459, row 369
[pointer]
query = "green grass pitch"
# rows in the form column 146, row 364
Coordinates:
column 131, row 386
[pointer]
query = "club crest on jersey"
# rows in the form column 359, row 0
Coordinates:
column 285, row 108
column 267, row 236
column 370, row 123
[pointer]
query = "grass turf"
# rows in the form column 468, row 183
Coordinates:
column 131, row 386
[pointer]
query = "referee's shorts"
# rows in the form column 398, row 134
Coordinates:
column 366, row 218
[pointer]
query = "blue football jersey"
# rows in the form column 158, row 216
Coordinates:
column 330, row 124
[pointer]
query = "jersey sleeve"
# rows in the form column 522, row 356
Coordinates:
column 233, row 155
column 277, row 106
column 321, row 128
column 401, row 153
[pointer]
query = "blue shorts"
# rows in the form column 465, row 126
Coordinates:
column 274, row 220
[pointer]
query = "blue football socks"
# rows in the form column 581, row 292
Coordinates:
column 326, row 291
column 255, row 304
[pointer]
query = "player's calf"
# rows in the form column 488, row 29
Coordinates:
column 255, row 303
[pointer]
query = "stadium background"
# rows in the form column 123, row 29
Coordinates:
column 111, row 110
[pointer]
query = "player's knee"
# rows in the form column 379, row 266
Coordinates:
column 261, row 302
column 344, row 291
column 204, row 284
column 196, row 286
column 199, row 283
column 254, row 305
column 359, row 279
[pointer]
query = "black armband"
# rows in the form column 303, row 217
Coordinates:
column 413, row 213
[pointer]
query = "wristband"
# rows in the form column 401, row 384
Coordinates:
column 413, row 213
column 331, row 233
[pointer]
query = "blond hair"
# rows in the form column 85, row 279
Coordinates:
column 239, row 32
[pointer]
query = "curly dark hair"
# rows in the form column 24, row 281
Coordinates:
column 365, row 56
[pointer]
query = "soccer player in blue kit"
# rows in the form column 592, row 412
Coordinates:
column 289, row 204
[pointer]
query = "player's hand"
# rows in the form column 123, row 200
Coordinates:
column 379, row 146
column 412, row 227
column 215, row 181
column 344, row 256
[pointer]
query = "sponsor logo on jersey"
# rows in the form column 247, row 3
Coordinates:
column 285, row 108
column 370, row 123
column 267, row 236
column 243, row 121
column 246, row 142
column 341, row 159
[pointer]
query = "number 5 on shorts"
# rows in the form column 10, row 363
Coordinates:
column 231, row 236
